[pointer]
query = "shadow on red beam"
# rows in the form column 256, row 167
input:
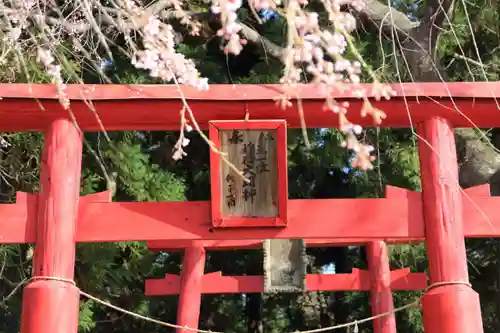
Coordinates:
column 478, row 207
column 481, row 212
column 397, row 217
column 225, row 245
column 17, row 221
column 358, row 280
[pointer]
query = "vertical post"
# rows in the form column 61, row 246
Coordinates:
column 51, row 305
column 451, row 305
column 381, row 292
column 193, row 268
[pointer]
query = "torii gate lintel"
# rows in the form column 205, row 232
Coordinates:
column 54, row 219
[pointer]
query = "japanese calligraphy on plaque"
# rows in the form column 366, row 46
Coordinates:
column 254, row 153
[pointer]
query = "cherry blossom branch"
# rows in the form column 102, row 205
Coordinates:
column 151, row 45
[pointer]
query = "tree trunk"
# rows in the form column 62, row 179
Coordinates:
column 253, row 304
column 254, row 313
column 479, row 162
column 339, row 306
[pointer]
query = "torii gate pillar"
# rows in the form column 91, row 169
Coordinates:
column 450, row 305
column 381, row 292
column 193, row 268
column 51, row 305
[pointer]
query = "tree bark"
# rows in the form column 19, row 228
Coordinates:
column 254, row 313
column 479, row 162
column 339, row 305
column 253, row 304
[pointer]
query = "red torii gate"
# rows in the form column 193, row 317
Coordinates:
column 55, row 218
column 379, row 279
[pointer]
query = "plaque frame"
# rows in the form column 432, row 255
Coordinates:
column 220, row 221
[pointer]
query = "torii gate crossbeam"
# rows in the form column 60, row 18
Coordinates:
column 53, row 220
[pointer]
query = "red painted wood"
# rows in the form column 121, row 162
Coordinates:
column 216, row 283
column 282, row 156
column 190, row 286
column 18, row 223
column 239, row 92
column 458, row 306
column 105, row 196
column 379, row 218
column 480, row 212
column 398, row 216
column 215, row 162
column 399, row 220
column 50, row 305
column 242, row 125
column 128, row 107
column 380, row 292
column 191, row 220
column 248, row 222
column 445, row 235
column 225, row 245
column 215, row 178
column 403, row 279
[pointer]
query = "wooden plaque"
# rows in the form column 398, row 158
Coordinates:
column 258, row 149
column 285, row 265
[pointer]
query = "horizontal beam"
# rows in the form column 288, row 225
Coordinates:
column 156, row 107
column 481, row 216
column 239, row 92
column 358, row 280
column 248, row 244
column 397, row 217
column 18, row 221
